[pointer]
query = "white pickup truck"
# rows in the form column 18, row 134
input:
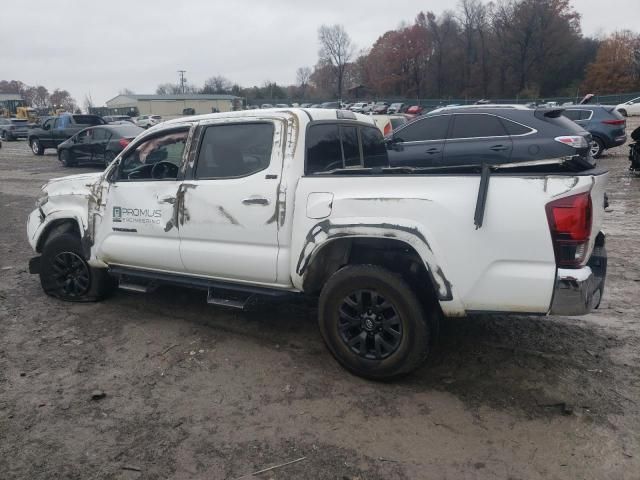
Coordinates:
column 289, row 201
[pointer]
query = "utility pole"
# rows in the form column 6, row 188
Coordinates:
column 182, row 79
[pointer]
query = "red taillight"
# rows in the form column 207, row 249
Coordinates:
column 614, row 122
column 570, row 225
column 124, row 142
column 387, row 129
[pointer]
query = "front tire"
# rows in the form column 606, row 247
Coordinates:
column 5, row 136
column 597, row 147
column 373, row 323
column 65, row 274
column 66, row 159
column 36, row 147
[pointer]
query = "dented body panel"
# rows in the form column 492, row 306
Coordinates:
column 268, row 228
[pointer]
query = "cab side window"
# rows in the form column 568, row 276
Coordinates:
column 234, row 150
column 336, row 146
column 158, row 158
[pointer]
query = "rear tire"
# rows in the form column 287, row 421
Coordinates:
column 36, row 146
column 5, row 136
column 597, row 147
column 373, row 323
column 65, row 274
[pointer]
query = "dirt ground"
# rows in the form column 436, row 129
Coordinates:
column 196, row 392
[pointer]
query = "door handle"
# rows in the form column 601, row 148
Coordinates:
column 255, row 201
column 498, row 148
column 433, row 150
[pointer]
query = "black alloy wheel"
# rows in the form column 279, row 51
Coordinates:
column 369, row 325
column 71, row 274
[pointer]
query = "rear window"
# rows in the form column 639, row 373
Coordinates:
column 88, row 120
column 476, row 126
column 514, row 128
column 335, row 146
column 127, row 131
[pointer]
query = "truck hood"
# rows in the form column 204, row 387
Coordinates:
column 82, row 184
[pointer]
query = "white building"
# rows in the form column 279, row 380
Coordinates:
column 170, row 106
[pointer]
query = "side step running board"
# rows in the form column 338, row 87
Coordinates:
column 136, row 287
column 222, row 298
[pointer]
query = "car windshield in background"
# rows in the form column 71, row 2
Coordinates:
column 155, row 117
column 88, row 120
column 127, row 131
column 15, row 120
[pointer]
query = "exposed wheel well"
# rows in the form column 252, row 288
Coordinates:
column 55, row 228
column 392, row 254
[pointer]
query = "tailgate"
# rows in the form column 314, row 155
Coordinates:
column 598, row 201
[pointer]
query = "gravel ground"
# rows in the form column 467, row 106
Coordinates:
column 163, row 386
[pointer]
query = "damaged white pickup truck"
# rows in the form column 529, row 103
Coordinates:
column 282, row 202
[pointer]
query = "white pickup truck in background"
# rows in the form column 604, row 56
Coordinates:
column 289, row 201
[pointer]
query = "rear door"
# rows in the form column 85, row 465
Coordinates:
column 101, row 137
column 477, row 138
column 420, row 143
column 228, row 225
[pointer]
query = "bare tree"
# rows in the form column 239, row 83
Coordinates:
column 336, row 50
column 87, row 103
column 303, row 74
column 217, row 84
column 168, row 89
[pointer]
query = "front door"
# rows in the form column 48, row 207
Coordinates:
column 139, row 228
column 80, row 150
column 228, row 225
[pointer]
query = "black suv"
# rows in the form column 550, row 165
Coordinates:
column 604, row 123
column 488, row 134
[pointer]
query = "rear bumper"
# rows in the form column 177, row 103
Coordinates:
column 578, row 291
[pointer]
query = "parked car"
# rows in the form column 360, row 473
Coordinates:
column 282, row 105
column 359, row 107
column 55, row 130
column 396, row 108
column 630, row 108
column 386, row 252
column 306, row 105
column 97, row 144
column 415, row 110
column 605, row 124
column 147, row 121
column 13, row 128
column 388, row 123
column 266, row 105
column 498, row 134
column 380, row 108
column 333, row 105
column 118, row 118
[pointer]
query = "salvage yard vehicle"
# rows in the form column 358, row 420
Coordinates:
column 257, row 204
column 97, row 144
column 148, row 121
column 630, row 108
column 492, row 134
column 55, row 130
column 13, row 128
column 604, row 123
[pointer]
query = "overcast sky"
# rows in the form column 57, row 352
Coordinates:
column 100, row 47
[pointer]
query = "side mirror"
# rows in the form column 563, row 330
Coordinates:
column 391, row 142
column 46, row 127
